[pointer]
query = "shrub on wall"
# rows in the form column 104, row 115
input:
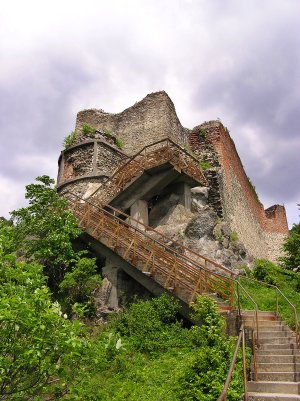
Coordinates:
column 69, row 140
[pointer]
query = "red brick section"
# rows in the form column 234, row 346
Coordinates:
column 273, row 219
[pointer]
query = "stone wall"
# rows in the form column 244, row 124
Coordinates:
column 95, row 156
column 150, row 120
column 260, row 231
column 89, row 159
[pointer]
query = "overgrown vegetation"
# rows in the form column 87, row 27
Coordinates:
column 291, row 247
column 69, row 140
column 202, row 133
column 88, row 130
column 265, row 296
column 145, row 353
column 204, row 165
column 253, row 189
column 117, row 141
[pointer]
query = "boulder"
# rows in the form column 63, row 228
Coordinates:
column 202, row 225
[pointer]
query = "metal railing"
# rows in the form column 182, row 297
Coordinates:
column 278, row 294
column 158, row 257
column 166, row 262
column 150, row 156
column 241, row 339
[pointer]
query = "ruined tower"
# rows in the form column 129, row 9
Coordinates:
column 125, row 160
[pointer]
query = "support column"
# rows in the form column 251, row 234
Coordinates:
column 183, row 190
column 110, row 272
column 139, row 211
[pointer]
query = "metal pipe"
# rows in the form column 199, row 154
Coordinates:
column 254, row 356
column 244, row 365
column 222, row 396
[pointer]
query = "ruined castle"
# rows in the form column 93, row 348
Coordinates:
column 143, row 162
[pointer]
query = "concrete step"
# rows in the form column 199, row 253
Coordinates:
column 261, row 358
column 275, row 333
column 272, row 397
column 279, row 376
column 273, row 346
column 261, row 320
column 277, row 367
column 278, row 351
column 279, row 327
column 276, row 340
column 260, row 313
column 274, row 387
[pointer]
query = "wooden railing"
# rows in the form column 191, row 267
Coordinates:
column 158, row 258
column 156, row 154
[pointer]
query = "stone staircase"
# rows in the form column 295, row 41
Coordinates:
column 277, row 360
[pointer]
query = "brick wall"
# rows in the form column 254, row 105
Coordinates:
column 261, row 231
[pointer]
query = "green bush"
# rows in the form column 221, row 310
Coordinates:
column 119, row 142
column 69, row 140
column 78, row 285
column 291, row 248
column 88, row 130
column 204, row 377
column 150, row 325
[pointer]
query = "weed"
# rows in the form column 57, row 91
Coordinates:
column 119, row 142
column 233, row 236
column 69, row 140
column 202, row 133
column 88, row 130
column 204, row 165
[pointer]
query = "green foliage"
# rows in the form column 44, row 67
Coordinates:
column 253, row 189
column 108, row 133
column 233, row 236
column 150, row 325
column 263, row 271
column 78, row 285
column 269, row 273
column 69, row 140
column 202, row 133
column 291, row 247
column 204, row 165
column 119, row 142
column 88, row 130
column 205, row 375
column 132, row 367
column 45, row 229
column 38, row 344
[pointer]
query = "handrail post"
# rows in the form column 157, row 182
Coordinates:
column 244, row 365
column 254, row 356
column 296, row 328
column 256, row 317
column 277, row 305
column 238, row 298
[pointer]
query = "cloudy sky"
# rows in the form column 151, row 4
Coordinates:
column 237, row 60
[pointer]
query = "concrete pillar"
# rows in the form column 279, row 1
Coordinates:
column 111, row 273
column 139, row 211
column 183, row 190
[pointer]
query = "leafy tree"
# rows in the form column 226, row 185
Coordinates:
column 38, row 344
column 291, row 247
column 45, row 229
column 78, row 285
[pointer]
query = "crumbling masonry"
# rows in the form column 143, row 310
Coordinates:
column 87, row 166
